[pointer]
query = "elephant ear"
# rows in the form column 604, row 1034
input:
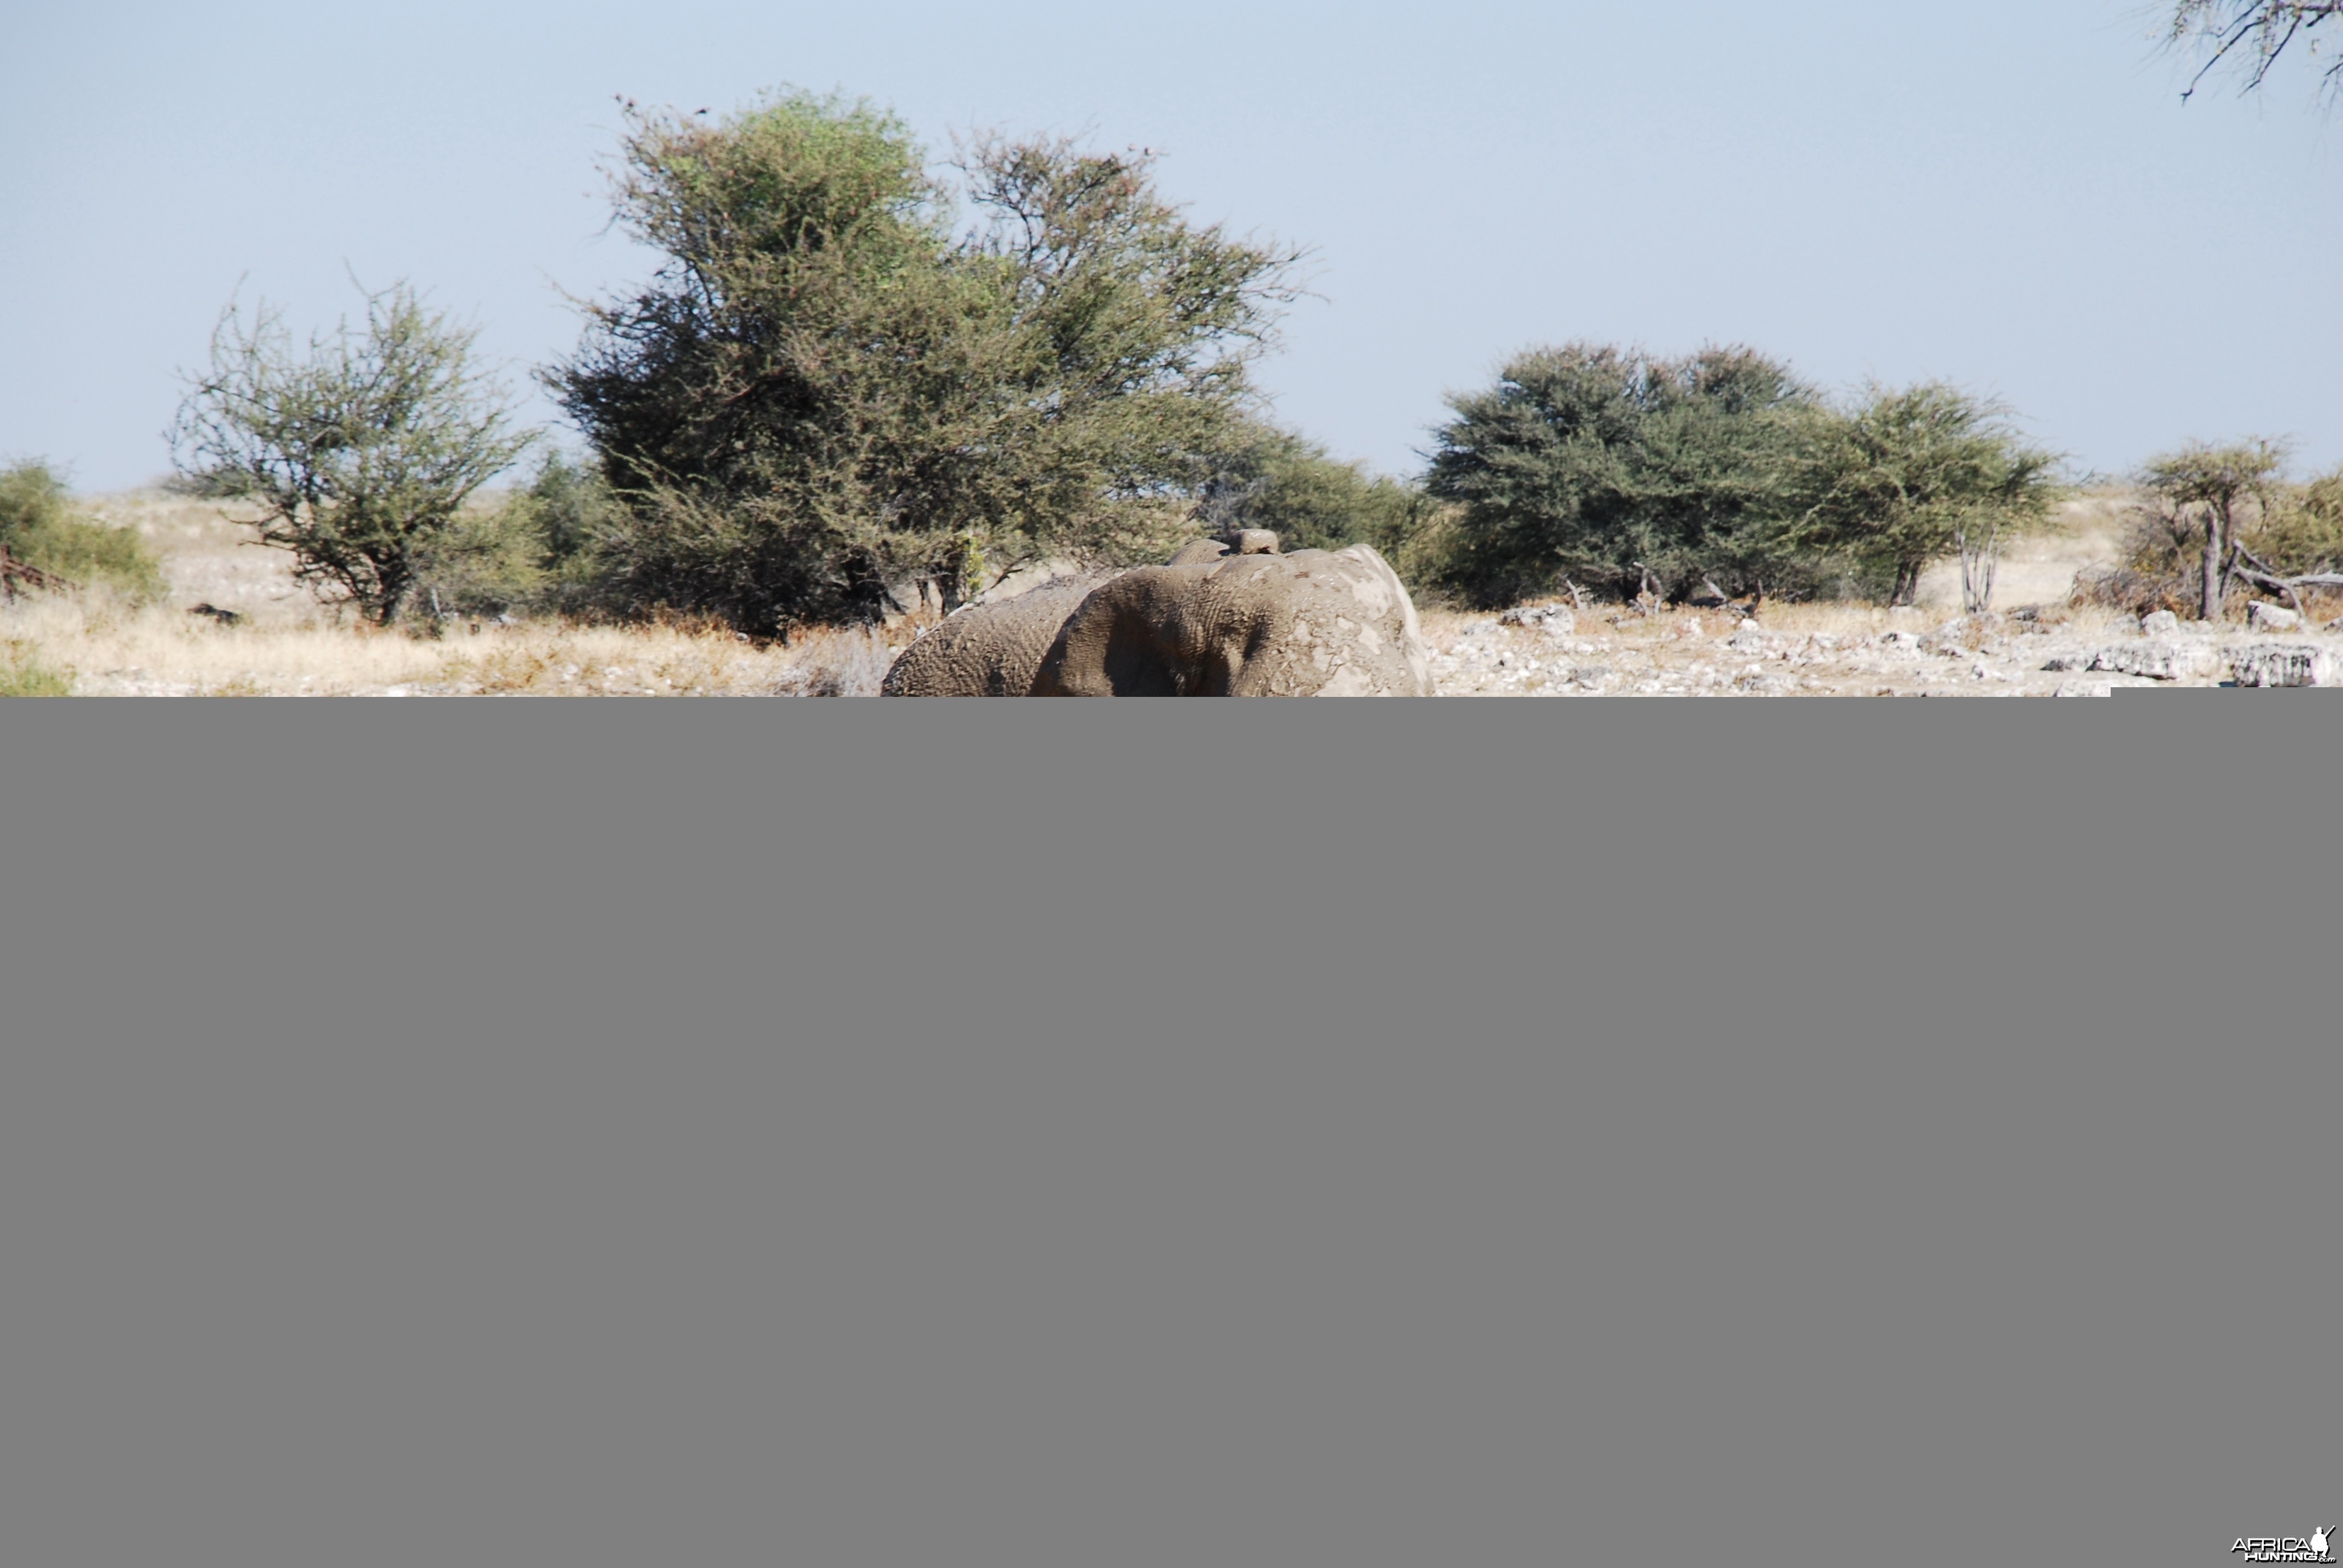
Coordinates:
column 1312, row 623
column 989, row 650
column 1131, row 639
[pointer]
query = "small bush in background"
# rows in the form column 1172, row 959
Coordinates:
column 2197, row 508
column 2303, row 534
column 22, row 673
column 359, row 452
column 40, row 527
column 1293, row 487
column 534, row 550
column 567, row 515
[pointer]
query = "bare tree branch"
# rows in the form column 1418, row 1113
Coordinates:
column 2255, row 32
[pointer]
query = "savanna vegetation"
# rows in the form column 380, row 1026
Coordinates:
column 42, row 529
column 833, row 388
column 2213, row 525
column 866, row 379
column 358, row 451
column 1592, row 467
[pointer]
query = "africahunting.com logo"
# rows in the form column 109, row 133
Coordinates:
column 2285, row 1548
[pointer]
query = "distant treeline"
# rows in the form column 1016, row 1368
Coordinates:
column 858, row 380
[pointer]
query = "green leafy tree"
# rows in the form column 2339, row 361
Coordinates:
column 1723, row 471
column 359, row 452
column 1596, row 466
column 2249, row 36
column 568, row 514
column 1912, row 476
column 829, row 390
column 537, row 549
column 40, row 527
column 2303, row 535
column 1292, row 487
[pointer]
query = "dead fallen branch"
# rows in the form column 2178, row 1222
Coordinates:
column 13, row 571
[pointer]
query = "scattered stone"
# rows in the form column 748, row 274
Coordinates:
column 2277, row 664
column 1751, row 638
column 1968, row 630
column 2083, row 689
column 1902, row 641
column 1590, row 676
column 2155, row 660
column 2160, row 623
column 2067, row 661
column 1556, row 620
column 2273, row 618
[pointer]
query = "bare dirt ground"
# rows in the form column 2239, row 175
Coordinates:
column 284, row 643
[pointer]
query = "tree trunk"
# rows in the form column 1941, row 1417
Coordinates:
column 390, row 585
column 1907, row 583
column 2212, row 605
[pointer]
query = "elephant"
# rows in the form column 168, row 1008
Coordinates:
column 1229, row 617
column 1315, row 623
column 989, row 650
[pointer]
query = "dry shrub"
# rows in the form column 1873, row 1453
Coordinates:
column 22, row 674
column 2304, row 533
column 847, row 662
column 42, row 527
column 2157, row 564
column 2134, row 592
column 2161, row 551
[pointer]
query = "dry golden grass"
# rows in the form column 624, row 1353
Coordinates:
column 111, row 649
column 287, row 644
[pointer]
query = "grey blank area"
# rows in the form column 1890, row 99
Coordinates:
column 1037, row 1134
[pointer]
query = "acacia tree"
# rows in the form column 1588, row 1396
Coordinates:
column 2202, row 491
column 827, row 391
column 1914, row 475
column 2250, row 35
column 1589, row 464
column 360, row 452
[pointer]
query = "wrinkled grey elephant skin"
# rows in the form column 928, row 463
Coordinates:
column 1314, row 623
column 988, row 650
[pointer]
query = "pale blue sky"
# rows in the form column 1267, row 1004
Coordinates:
column 2008, row 193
